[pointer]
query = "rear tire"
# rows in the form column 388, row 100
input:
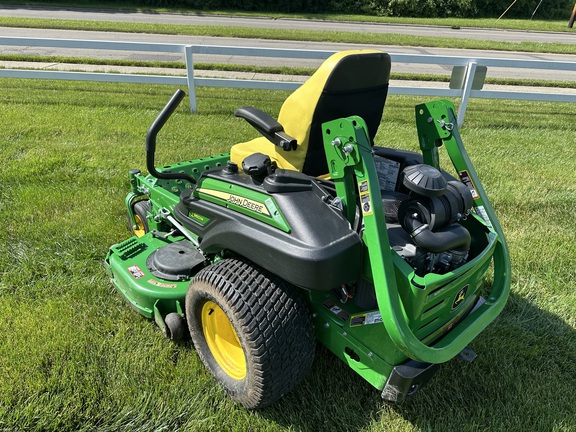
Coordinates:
column 251, row 330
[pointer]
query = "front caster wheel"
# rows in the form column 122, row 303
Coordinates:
column 251, row 330
column 140, row 210
column 176, row 329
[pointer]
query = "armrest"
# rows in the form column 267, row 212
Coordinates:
column 267, row 126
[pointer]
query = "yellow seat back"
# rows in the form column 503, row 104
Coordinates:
column 347, row 83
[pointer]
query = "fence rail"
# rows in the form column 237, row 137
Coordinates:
column 472, row 70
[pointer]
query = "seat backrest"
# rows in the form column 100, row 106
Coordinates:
column 347, row 83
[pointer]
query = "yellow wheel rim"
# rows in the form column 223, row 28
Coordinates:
column 139, row 231
column 223, row 341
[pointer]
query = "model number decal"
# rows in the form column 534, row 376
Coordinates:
column 203, row 220
column 246, row 203
column 161, row 284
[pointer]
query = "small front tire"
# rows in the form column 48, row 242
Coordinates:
column 176, row 329
column 140, row 210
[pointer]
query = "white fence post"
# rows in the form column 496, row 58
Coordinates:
column 466, row 89
column 190, row 76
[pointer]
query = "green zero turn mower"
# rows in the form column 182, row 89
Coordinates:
column 310, row 231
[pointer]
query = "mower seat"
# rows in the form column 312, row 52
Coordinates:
column 348, row 83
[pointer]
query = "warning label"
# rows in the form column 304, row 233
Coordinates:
column 481, row 211
column 366, row 319
column 136, row 272
column 387, row 172
column 339, row 312
column 465, row 178
column 365, row 201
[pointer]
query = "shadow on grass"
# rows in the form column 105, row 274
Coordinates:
column 522, row 380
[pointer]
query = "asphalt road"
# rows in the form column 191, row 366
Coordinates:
column 280, row 24
column 285, row 24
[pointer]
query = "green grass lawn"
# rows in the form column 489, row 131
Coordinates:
column 74, row 356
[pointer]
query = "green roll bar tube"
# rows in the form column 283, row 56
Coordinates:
column 349, row 153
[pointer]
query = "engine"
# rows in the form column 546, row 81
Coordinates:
column 425, row 231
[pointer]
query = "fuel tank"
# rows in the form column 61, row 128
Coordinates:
column 286, row 222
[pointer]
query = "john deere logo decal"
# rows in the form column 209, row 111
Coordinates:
column 460, row 296
column 239, row 201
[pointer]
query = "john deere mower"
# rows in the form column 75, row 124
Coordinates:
column 310, row 231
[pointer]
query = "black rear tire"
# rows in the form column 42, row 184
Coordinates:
column 251, row 329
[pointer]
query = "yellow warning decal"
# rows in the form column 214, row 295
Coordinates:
column 366, row 318
column 365, row 201
column 246, row 203
column 465, row 178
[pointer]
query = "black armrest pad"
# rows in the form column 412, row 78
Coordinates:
column 267, row 126
column 259, row 119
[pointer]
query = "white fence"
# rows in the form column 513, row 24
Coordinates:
column 467, row 77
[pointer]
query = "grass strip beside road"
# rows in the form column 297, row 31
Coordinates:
column 293, row 35
column 280, row 70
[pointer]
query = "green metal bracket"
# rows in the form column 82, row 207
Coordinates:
column 343, row 155
column 163, row 307
column 433, row 127
column 130, row 199
column 444, row 110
